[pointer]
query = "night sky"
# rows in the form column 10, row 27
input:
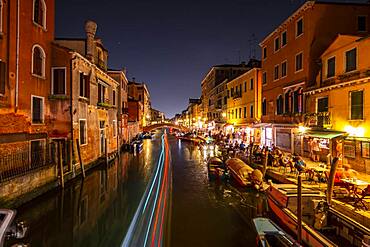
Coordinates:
column 170, row 45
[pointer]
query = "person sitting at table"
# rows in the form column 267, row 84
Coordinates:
column 348, row 172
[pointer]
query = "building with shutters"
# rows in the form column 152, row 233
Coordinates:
column 290, row 63
column 139, row 92
column 338, row 102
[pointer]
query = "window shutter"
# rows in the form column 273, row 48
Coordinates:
column 2, row 77
column 87, row 86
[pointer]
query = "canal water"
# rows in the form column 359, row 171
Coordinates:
column 99, row 210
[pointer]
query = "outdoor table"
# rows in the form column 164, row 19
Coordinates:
column 352, row 184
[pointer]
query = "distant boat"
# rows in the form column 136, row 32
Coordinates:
column 137, row 146
column 239, row 171
column 282, row 200
column 270, row 234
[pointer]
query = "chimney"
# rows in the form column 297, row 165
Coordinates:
column 90, row 29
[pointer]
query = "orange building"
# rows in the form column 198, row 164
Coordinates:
column 338, row 104
column 290, row 56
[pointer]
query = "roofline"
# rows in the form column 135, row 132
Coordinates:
column 245, row 73
column 70, row 39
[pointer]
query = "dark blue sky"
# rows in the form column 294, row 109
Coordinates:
column 170, row 45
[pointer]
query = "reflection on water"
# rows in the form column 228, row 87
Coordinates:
column 98, row 211
column 209, row 213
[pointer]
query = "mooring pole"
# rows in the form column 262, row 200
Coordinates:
column 299, row 209
column 60, row 162
column 80, row 158
column 106, row 150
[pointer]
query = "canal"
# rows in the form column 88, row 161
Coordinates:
column 98, row 210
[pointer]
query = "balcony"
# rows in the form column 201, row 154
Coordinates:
column 318, row 120
column 350, row 76
column 237, row 95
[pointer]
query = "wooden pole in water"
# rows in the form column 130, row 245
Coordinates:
column 299, row 209
column 80, row 158
column 70, row 161
column 60, row 162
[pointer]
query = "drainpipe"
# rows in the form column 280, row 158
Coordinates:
column 17, row 59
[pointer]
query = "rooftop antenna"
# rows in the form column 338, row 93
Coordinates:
column 252, row 46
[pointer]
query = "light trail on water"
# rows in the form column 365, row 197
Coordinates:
column 152, row 212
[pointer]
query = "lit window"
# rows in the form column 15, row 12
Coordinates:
column 299, row 27
column 58, row 80
column 39, row 12
column 38, row 61
column 37, row 109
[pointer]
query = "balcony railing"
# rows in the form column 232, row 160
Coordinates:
column 237, row 95
column 355, row 75
column 318, row 119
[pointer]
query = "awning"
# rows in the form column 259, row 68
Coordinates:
column 324, row 134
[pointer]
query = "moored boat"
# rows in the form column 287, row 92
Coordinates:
column 282, row 200
column 239, row 171
column 8, row 229
column 216, row 168
column 270, row 234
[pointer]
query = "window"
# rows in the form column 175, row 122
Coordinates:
column 298, row 100
column 288, row 101
column 83, row 131
column 276, row 72
column 299, row 62
column 37, row 109
column 251, row 84
column 240, row 112
column 38, row 61
column 114, row 128
column 209, row 102
column 245, row 112
column 279, row 105
column 357, row 105
column 351, row 57
column 114, row 97
column 277, row 44
column 283, row 39
column 225, row 100
column 264, row 77
column 264, row 107
column 283, row 69
column 232, row 92
column 39, row 12
column 232, row 114
column 251, row 111
column 101, row 93
column 361, row 23
column 2, row 76
column 245, row 86
column 330, row 72
column 84, row 85
column 323, row 104
column 299, row 27
column 264, row 52
column 58, row 85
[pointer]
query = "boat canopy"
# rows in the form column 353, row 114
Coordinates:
column 215, row 161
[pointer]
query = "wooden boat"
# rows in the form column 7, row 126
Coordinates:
column 137, row 146
column 282, row 200
column 270, row 234
column 239, row 171
column 216, row 168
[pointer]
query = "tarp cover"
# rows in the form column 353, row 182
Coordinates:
column 239, row 167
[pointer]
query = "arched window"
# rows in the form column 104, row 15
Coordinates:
column 279, row 105
column 298, row 100
column 288, row 101
column 39, row 12
column 38, row 61
column 264, row 107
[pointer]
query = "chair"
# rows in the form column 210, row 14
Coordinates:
column 360, row 196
